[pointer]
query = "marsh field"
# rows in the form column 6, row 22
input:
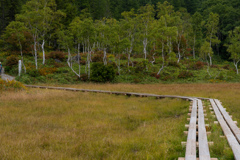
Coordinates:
column 50, row 124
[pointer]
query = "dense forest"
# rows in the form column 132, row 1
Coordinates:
column 168, row 30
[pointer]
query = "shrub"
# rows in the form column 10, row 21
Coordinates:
column 136, row 80
column 102, row 73
column 97, row 58
column 33, row 73
column 174, row 64
column 58, row 65
column 167, row 78
column 185, row 74
column 57, row 55
column 227, row 66
column 214, row 66
column 111, row 56
column 199, row 65
column 83, row 62
column 123, row 57
column 112, row 64
column 46, row 71
column 140, row 67
column 11, row 85
column 155, row 75
column 84, row 77
column 11, row 61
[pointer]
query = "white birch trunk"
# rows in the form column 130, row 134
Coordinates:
column 194, row 43
column 69, row 64
column 79, row 63
column 35, row 52
column 43, row 43
column 145, row 48
column 105, row 56
column 160, row 70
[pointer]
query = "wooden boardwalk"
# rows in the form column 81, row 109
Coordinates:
column 228, row 127
column 197, row 145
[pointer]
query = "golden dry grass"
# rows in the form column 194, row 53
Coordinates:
column 228, row 93
column 48, row 124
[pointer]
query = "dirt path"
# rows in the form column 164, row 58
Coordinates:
column 6, row 77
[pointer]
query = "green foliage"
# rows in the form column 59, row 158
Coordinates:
column 102, row 73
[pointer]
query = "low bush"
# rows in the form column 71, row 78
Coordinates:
column 155, row 75
column 227, row 66
column 174, row 64
column 141, row 66
column 185, row 74
column 97, row 58
column 33, row 72
column 45, row 71
column 11, row 85
column 57, row 55
column 83, row 62
column 199, row 65
column 84, row 77
column 11, row 61
column 102, row 73
column 214, row 66
column 167, row 78
column 123, row 57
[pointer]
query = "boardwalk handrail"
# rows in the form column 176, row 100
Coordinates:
column 228, row 119
column 232, row 141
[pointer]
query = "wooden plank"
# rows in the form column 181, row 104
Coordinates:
column 204, row 153
column 228, row 119
column 232, row 141
column 191, row 140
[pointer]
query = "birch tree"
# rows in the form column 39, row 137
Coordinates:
column 197, row 24
column 234, row 46
column 146, row 16
column 130, row 28
column 17, row 28
column 65, row 38
column 75, row 29
column 88, row 35
column 212, row 29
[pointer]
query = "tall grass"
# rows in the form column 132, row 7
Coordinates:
column 48, row 124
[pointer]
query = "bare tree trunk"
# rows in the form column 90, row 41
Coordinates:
column 43, row 43
column 163, row 60
column 35, row 51
column 236, row 65
column 69, row 63
column 22, row 56
column 194, row 42
column 145, row 48
column 105, row 56
column 79, row 63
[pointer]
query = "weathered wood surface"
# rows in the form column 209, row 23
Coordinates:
column 228, row 119
column 191, row 153
column 232, row 141
column 113, row 92
column 204, row 153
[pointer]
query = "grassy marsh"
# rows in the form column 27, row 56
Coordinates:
column 48, row 124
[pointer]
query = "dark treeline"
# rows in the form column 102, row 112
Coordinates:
column 173, row 29
column 228, row 10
